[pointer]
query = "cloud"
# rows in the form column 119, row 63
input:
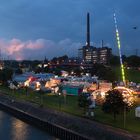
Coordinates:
column 59, row 19
column 37, row 49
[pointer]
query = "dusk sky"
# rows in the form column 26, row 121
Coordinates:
column 33, row 29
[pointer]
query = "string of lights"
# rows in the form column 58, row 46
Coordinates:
column 119, row 47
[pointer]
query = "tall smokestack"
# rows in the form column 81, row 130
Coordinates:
column 88, row 30
column 102, row 43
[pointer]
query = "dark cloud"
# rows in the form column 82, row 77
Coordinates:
column 37, row 49
column 56, row 20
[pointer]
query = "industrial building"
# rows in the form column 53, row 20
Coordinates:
column 90, row 54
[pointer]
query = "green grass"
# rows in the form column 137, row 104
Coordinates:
column 57, row 102
column 49, row 100
column 71, row 107
column 131, row 74
column 132, row 123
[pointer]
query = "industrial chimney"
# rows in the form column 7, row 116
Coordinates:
column 88, row 30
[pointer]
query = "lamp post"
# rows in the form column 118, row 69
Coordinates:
column 65, row 96
column 26, row 90
column 26, row 85
column 125, row 106
column 59, row 94
column 124, row 117
column 38, row 89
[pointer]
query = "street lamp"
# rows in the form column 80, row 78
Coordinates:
column 124, row 116
column 26, row 85
column 38, row 88
column 59, row 94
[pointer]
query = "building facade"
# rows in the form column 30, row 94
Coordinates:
column 95, row 55
column 104, row 55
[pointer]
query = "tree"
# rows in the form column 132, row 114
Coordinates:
column 5, row 75
column 18, row 71
column 115, row 60
column 133, row 61
column 103, row 72
column 77, row 71
column 106, row 73
column 38, row 70
column 54, row 60
column 83, row 101
column 114, row 103
column 35, row 64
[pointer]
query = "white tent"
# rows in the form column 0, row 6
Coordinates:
column 12, row 86
column 137, row 111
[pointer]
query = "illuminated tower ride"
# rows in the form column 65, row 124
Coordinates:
column 119, row 47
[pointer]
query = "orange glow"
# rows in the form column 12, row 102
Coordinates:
column 38, row 86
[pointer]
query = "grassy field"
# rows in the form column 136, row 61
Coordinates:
column 48, row 100
column 71, row 106
column 131, row 74
column 132, row 123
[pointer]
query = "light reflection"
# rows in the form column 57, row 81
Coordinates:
column 19, row 130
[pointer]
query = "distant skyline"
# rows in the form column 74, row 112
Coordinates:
column 35, row 29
